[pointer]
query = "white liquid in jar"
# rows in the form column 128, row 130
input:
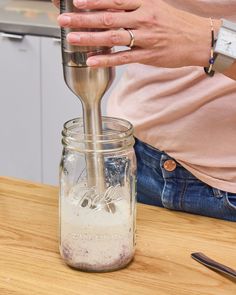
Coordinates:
column 94, row 238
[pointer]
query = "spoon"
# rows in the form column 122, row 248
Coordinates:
column 203, row 259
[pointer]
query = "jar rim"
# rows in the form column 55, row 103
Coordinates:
column 70, row 129
column 117, row 133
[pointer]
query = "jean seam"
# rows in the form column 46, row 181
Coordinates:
column 162, row 193
column 228, row 203
column 181, row 201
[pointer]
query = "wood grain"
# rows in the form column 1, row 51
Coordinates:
column 30, row 263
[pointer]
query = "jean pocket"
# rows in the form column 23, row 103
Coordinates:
column 230, row 200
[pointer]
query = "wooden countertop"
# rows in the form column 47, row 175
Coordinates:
column 30, row 263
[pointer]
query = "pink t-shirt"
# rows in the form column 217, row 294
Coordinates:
column 183, row 112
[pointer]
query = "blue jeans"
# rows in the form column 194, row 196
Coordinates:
column 176, row 188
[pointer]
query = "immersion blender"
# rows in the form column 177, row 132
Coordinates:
column 89, row 84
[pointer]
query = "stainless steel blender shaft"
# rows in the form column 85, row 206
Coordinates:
column 89, row 85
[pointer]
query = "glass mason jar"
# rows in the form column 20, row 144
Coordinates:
column 98, row 196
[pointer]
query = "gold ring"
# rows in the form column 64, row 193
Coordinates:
column 132, row 38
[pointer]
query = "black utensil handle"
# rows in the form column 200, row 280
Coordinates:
column 200, row 257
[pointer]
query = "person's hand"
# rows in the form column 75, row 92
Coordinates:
column 164, row 35
column 56, row 3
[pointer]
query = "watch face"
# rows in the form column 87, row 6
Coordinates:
column 226, row 42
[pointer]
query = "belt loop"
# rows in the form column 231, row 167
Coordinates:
column 217, row 193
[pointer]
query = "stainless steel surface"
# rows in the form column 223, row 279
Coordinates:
column 203, row 259
column 89, row 85
column 29, row 17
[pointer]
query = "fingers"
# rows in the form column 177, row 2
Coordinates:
column 108, row 4
column 56, row 3
column 112, row 38
column 105, row 38
column 104, row 4
column 119, row 58
column 98, row 20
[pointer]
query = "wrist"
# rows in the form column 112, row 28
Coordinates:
column 204, row 44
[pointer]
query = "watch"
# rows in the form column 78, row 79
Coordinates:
column 225, row 46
